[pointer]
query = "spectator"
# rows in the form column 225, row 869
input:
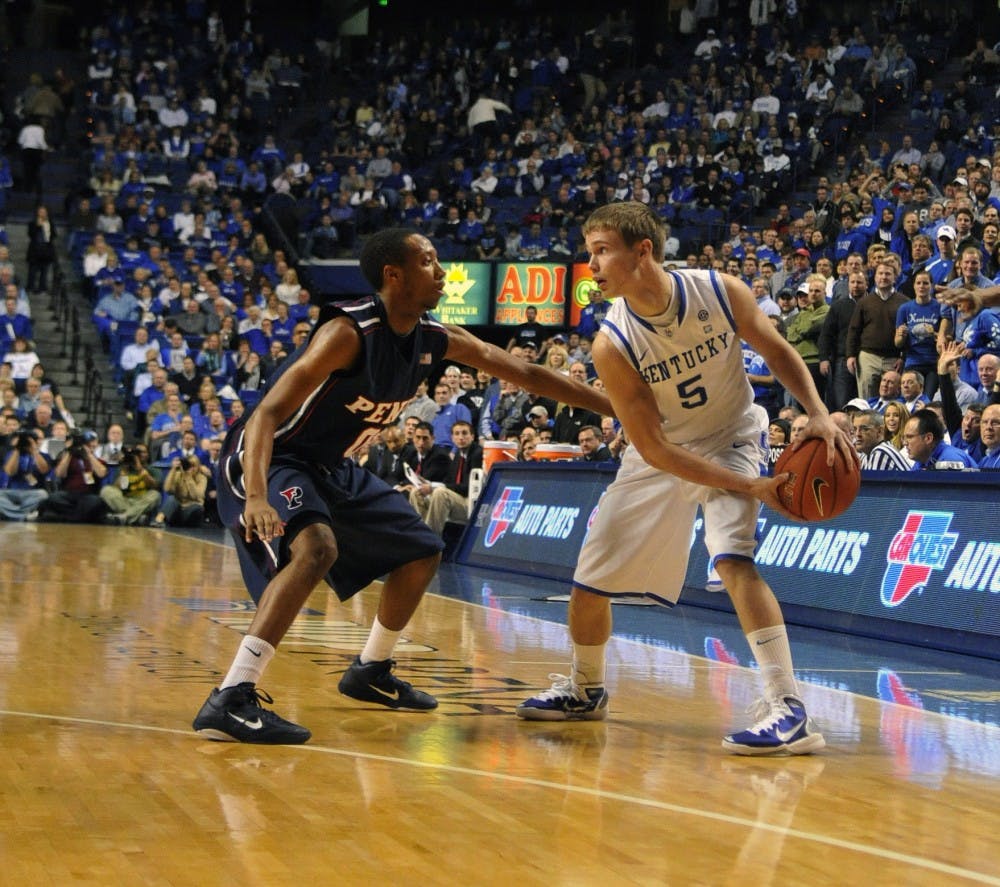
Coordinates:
column 917, row 324
column 911, row 385
column 13, row 324
column 33, row 144
column 778, row 433
column 531, row 331
column 78, row 474
column 876, row 453
column 41, row 251
column 110, row 451
column 592, row 446
column 804, row 330
column 841, row 383
column 924, row 438
column 22, row 358
column 134, row 496
column 871, row 348
column 592, row 316
column 990, row 433
column 448, row 500
column 114, row 307
column 184, row 490
column 25, row 469
column 427, row 461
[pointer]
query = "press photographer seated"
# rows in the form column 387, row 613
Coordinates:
column 78, row 474
column 25, row 467
column 134, row 496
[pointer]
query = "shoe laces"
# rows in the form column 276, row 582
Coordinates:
column 256, row 696
column 388, row 676
column 766, row 712
column 562, row 686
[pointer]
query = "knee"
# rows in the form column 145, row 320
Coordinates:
column 315, row 550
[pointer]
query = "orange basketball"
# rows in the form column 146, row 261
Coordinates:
column 816, row 491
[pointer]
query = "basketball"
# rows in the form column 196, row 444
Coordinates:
column 816, row 491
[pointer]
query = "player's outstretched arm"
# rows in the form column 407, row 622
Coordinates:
column 789, row 368
column 466, row 348
column 987, row 296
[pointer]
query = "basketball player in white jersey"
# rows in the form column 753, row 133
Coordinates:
column 669, row 355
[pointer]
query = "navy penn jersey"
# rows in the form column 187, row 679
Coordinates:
column 344, row 415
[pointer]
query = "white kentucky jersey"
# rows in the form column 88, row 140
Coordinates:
column 690, row 356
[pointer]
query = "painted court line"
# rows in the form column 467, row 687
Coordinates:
column 852, row 846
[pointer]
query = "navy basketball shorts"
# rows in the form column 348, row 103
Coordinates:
column 375, row 527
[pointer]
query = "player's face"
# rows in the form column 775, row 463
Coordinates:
column 423, row 276
column 612, row 263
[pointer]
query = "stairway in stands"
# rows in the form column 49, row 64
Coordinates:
column 61, row 317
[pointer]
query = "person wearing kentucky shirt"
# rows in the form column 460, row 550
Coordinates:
column 300, row 509
column 669, row 355
column 989, row 434
column 924, row 439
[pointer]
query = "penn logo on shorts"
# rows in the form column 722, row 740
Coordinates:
column 293, row 496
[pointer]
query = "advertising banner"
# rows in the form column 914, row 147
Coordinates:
column 581, row 284
column 921, row 554
column 466, row 299
column 541, row 285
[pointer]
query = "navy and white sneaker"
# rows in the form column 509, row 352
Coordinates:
column 375, row 682
column 781, row 727
column 565, row 701
column 235, row 714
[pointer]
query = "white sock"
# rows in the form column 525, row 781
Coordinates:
column 251, row 659
column 588, row 665
column 381, row 642
column 774, row 656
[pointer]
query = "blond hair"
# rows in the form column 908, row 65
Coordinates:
column 634, row 221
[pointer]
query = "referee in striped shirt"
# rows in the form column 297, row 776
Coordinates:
column 876, row 453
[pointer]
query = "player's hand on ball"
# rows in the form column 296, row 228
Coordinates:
column 769, row 490
column 823, row 427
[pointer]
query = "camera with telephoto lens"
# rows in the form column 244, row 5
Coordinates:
column 77, row 444
column 22, row 440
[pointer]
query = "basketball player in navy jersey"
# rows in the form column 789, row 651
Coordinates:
column 670, row 357
column 300, row 510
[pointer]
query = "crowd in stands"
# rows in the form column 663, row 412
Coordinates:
column 496, row 140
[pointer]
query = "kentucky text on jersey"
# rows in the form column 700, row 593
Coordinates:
column 662, row 371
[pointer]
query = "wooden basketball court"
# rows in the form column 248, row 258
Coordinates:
column 112, row 637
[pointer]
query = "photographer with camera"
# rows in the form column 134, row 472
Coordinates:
column 134, row 496
column 79, row 473
column 22, row 485
column 183, row 494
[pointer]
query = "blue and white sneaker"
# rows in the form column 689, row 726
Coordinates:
column 565, row 701
column 781, row 727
